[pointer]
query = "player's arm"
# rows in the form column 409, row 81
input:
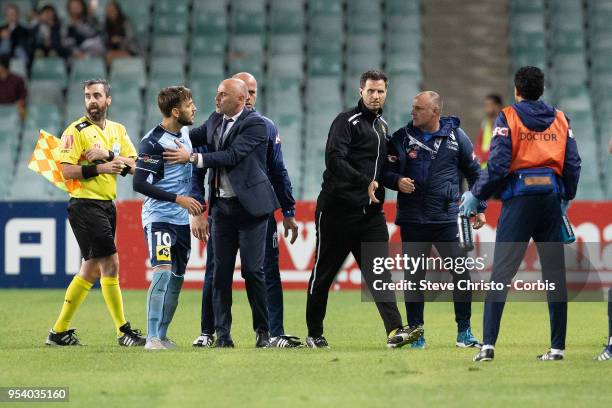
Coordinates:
column 150, row 169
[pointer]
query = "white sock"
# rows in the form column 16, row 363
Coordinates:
column 488, row 347
column 556, row 351
column 610, row 342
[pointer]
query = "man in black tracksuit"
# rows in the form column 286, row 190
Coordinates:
column 349, row 209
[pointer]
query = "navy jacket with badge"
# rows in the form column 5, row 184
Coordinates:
column 436, row 180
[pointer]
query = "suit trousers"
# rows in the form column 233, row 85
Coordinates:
column 234, row 228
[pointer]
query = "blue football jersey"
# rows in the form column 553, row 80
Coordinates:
column 173, row 178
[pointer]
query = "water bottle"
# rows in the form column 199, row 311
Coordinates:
column 567, row 233
column 466, row 240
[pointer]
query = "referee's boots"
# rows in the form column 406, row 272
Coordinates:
column 65, row 338
column 131, row 337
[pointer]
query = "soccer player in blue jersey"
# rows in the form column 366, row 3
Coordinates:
column 166, row 209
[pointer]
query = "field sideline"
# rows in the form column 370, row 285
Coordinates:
column 358, row 370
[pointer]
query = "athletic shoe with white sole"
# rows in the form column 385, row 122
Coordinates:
column 404, row 335
column 65, row 338
column 485, row 355
column 285, row 341
column 154, row 343
column 466, row 339
column 169, row 344
column 204, row 340
column 606, row 354
column 317, row 342
column 550, row 356
column 131, row 337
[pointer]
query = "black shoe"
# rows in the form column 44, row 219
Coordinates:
column 285, row 341
column 220, row 343
column 550, row 356
column 485, row 355
column 262, row 338
column 131, row 337
column 317, row 342
column 65, row 338
column 404, row 335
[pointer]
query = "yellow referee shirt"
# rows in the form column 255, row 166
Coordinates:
column 83, row 135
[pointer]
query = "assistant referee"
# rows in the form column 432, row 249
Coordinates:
column 95, row 150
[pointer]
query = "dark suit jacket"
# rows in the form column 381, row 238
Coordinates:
column 243, row 156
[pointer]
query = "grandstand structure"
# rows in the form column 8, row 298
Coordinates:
column 307, row 56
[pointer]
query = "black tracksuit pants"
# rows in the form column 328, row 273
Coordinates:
column 340, row 231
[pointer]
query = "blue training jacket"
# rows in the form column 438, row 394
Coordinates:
column 537, row 116
column 277, row 173
column 437, row 181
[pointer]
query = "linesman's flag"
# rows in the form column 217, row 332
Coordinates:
column 46, row 162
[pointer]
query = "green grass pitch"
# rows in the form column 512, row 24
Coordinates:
column 357, row 372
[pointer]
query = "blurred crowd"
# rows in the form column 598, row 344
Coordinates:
column 43, row 33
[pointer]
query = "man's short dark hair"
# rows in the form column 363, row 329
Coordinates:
column 496, row 98
column 374, row 75
column 172, row 97
column 529, row 82
column 96, row 81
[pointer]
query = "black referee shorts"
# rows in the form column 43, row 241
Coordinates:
column 93, row 223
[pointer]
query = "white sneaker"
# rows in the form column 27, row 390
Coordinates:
column 169, row 344
column 155, row 343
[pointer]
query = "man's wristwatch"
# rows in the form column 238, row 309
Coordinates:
column 193, row 158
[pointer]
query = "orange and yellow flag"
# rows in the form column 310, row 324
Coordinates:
column 46, row 162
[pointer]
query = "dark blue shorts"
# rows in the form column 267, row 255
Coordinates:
column 169, row 244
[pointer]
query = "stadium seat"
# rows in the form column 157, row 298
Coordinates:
column 167, row 67
column 360, row 62
column 324, row 64
column 50, row 68
column 204, row 90
column 286, row 44
column 402, row 64
column 364, row 43
column 286, row 66
column 246, row 54
column 208, row 21
column 169, row 46
column 402, row 7
column 403, row 44
column 47, row 92
column 324, row 7
column 287, row 17
column 208, row 44
column 204, row 66
column 172, row 7
column 128, row 69
column 248, row 17
column 325, row 35
column 170, row 24
column 84, row 69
